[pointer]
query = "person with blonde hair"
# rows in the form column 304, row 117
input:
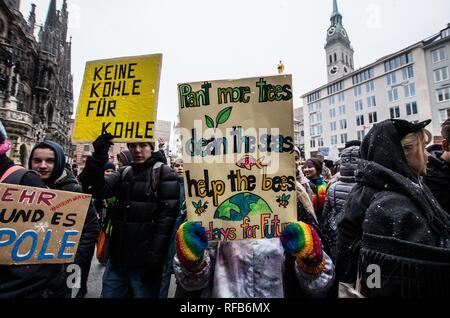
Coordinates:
column 392, row 224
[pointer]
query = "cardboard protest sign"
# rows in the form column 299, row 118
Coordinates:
column 238, row 151
column 119, row 96
column 40, row 226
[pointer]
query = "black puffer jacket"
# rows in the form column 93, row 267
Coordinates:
column 89, row 235
column 31, row 281
column 337, row 196
column 393, row 221
column 438, row 179
column 142, row 222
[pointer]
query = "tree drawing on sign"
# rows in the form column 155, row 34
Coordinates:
column 221, row 119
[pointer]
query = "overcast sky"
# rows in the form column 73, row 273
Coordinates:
column 230, row 39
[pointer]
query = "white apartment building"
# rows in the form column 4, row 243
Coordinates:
column 412, row 84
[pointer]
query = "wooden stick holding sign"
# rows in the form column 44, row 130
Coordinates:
column 40, row 226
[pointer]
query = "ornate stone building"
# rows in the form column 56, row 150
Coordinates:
column 36, row 95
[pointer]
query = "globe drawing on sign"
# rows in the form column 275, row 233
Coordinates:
column 241, row 205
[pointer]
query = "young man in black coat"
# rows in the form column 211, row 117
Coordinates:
column 143, row 220
column 27, row 281
column 47, row 158
column 438, row 173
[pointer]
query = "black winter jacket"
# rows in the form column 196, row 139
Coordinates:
column 91, row 228
column 31, row 281
column 337, row 195
column 142, row 223
column 393, row 221
column 438, row 179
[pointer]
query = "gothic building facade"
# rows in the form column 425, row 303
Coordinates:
column 36, row 84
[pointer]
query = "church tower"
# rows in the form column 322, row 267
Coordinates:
column 339, row 52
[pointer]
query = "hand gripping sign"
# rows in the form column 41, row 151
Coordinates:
column 40, row 226
column 119, row 96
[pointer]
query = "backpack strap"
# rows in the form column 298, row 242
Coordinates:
column 125, row 172
column 16, row 177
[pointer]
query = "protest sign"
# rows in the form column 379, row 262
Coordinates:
column 238, row 152
column 40, row 226
column 119, row 96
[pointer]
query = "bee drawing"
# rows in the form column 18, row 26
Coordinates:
column 283, row 200
column 200, row 208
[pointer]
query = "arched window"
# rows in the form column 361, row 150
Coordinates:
column 50, row 115
column 2, row 27
column 23, row 155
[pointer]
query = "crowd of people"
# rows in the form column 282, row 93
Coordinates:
column 384, row 204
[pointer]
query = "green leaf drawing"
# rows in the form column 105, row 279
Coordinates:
column 224, row 115
column 209, row 122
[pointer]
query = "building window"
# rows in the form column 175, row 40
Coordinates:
column 359, row 105
column 335, row 88
column 334, row 140
column 361, row 134
column 410, row 90
column 333, row 113
column 320, row 142
column 373, row 118
column 411, row 108
column 391, row 79
column 331, row 100
column 313, row 97
column 393, row 95
column 371, row 101
column 320, row 129
column 395, row 112
column 398, row 61
column 318, row 105
column 333, row 126
column 362, row 76
column 342, row 110
column 341, row 97
column 312, row 130
column 444, row 114
column 360, row 120
column 439, row 55
column 313, row 143
column 344, row 138
column 370, row 86
column 86, row 148
column 358, row 90
column 343, row 123
column 408, row 72
column 441, row 74
column 310, row 108
column 443, row 94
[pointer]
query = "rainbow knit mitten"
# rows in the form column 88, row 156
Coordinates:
column 303, row 242
column 191, row 243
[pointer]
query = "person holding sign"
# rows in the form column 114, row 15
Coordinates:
column 47, row 158
column 27, row 281
column 253, row 269
column 142, row 222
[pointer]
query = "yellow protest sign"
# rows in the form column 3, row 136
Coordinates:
column 238, row 151
column 40, row 226
column 119, row 96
